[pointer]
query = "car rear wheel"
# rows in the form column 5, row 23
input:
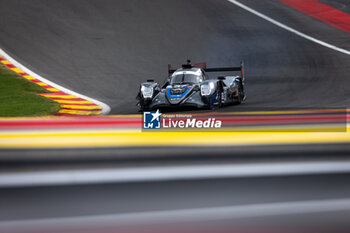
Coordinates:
column 240, row 95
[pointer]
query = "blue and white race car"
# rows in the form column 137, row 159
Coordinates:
column 191, row 86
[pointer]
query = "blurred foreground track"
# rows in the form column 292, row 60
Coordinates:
column 106, row 49
column 238, row 128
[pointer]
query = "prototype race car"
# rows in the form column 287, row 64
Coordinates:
column 191, row 86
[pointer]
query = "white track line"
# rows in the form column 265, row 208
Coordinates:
column 166, row 173
column 105, row 108
column 184, row 215
column 281, row 25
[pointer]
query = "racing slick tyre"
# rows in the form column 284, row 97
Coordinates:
column 220, row 104
column 240, row 96
column 210, row 106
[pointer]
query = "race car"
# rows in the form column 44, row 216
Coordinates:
column 191, row 86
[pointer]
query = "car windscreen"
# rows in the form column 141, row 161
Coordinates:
column 185, row 78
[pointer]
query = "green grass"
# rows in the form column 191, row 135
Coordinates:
column 18, row 96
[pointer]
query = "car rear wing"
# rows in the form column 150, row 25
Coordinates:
column 203, row 66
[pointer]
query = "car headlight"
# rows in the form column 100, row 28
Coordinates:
column 207, row 89
column 147, row 92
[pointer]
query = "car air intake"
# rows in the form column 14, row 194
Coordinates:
column 177, row 90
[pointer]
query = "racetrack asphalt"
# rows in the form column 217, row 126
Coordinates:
column 104, row 49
